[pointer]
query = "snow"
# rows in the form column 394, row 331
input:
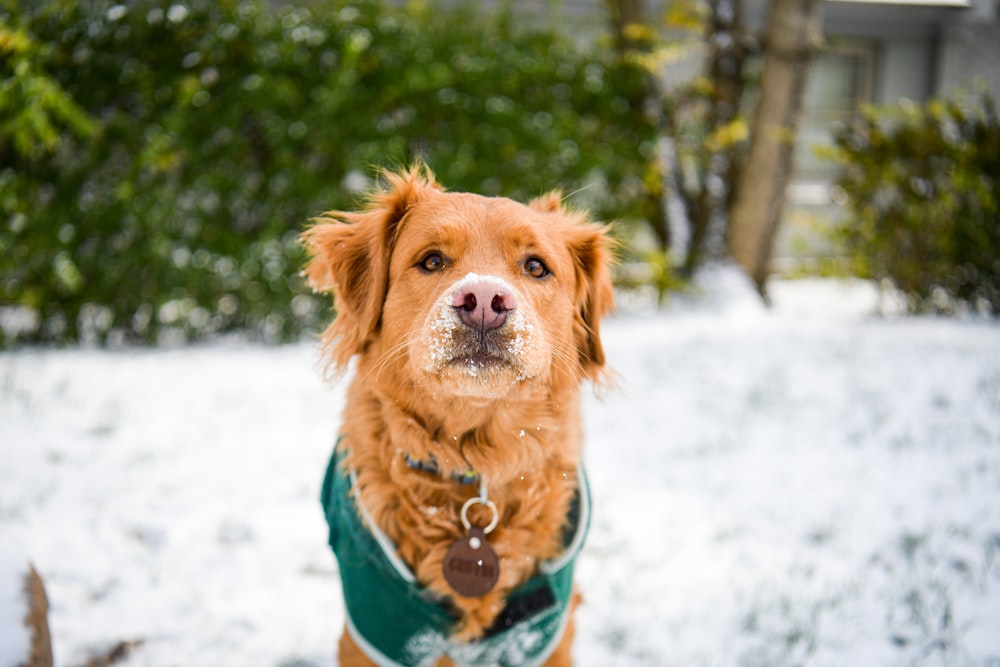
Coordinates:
column 810, row 484
column 15, row 637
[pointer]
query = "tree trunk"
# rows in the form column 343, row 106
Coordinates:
column 633, row 34
column 727, row 51
column 793, row 35
column 622, row 14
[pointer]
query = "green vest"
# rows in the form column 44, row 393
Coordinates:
column 398, row 623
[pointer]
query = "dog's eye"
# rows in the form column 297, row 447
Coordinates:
column 535, row 268
column 432, row 262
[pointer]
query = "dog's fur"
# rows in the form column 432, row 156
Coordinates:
column 503, row 402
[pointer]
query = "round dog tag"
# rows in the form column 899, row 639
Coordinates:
column 471, row 566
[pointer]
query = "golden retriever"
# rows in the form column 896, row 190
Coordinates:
column 473, row 321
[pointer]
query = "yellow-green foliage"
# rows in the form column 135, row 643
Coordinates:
column 923, row 188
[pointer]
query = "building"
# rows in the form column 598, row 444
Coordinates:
column 877, row 52
column 881, row 52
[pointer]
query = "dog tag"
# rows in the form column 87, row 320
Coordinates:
column 471, row 566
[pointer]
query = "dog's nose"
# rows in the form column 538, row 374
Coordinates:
column 483, row 305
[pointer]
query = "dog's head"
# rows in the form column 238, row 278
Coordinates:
column 473, row 295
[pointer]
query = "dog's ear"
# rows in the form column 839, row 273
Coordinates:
column 591, row 247
column 551, row 202
column 349, row 256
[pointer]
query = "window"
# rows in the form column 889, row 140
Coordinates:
column 839, row 82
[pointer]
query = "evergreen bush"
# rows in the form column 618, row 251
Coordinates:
column 157, row 190
column 923, row 188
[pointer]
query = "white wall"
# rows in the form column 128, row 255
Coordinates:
column 970, row 55
column 905, row 69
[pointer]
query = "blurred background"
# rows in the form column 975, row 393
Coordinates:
column 793, row 471
column 159, row 159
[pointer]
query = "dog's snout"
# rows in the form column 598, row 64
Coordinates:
column 484, row 305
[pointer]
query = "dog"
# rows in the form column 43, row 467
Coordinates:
column 455, row 496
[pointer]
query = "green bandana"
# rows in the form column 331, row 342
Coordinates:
column 398, row 623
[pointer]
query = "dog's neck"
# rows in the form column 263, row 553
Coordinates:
column 525, row 446
column 500, row 440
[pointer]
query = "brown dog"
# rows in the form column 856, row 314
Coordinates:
column 455, row 494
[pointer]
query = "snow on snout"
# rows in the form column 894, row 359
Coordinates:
column 443, row 329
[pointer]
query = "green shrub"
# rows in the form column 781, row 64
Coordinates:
column 159, row 190
column 923, row 190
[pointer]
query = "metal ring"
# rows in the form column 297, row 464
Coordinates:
column 476, row 500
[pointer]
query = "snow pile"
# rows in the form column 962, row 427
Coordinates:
column 807, row 485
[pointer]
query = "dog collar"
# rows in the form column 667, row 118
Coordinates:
column 430, row 465
column 398, row 623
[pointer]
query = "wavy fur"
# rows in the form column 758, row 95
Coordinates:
column 516, row 424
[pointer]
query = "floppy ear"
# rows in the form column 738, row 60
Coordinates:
column 349, row 256
column 591, row 248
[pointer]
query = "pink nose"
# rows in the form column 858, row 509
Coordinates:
column 483, row 305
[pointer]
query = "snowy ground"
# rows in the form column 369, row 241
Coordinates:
column 811, row 485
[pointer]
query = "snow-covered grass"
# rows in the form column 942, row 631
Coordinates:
column 809, row 485
column 15, row 637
